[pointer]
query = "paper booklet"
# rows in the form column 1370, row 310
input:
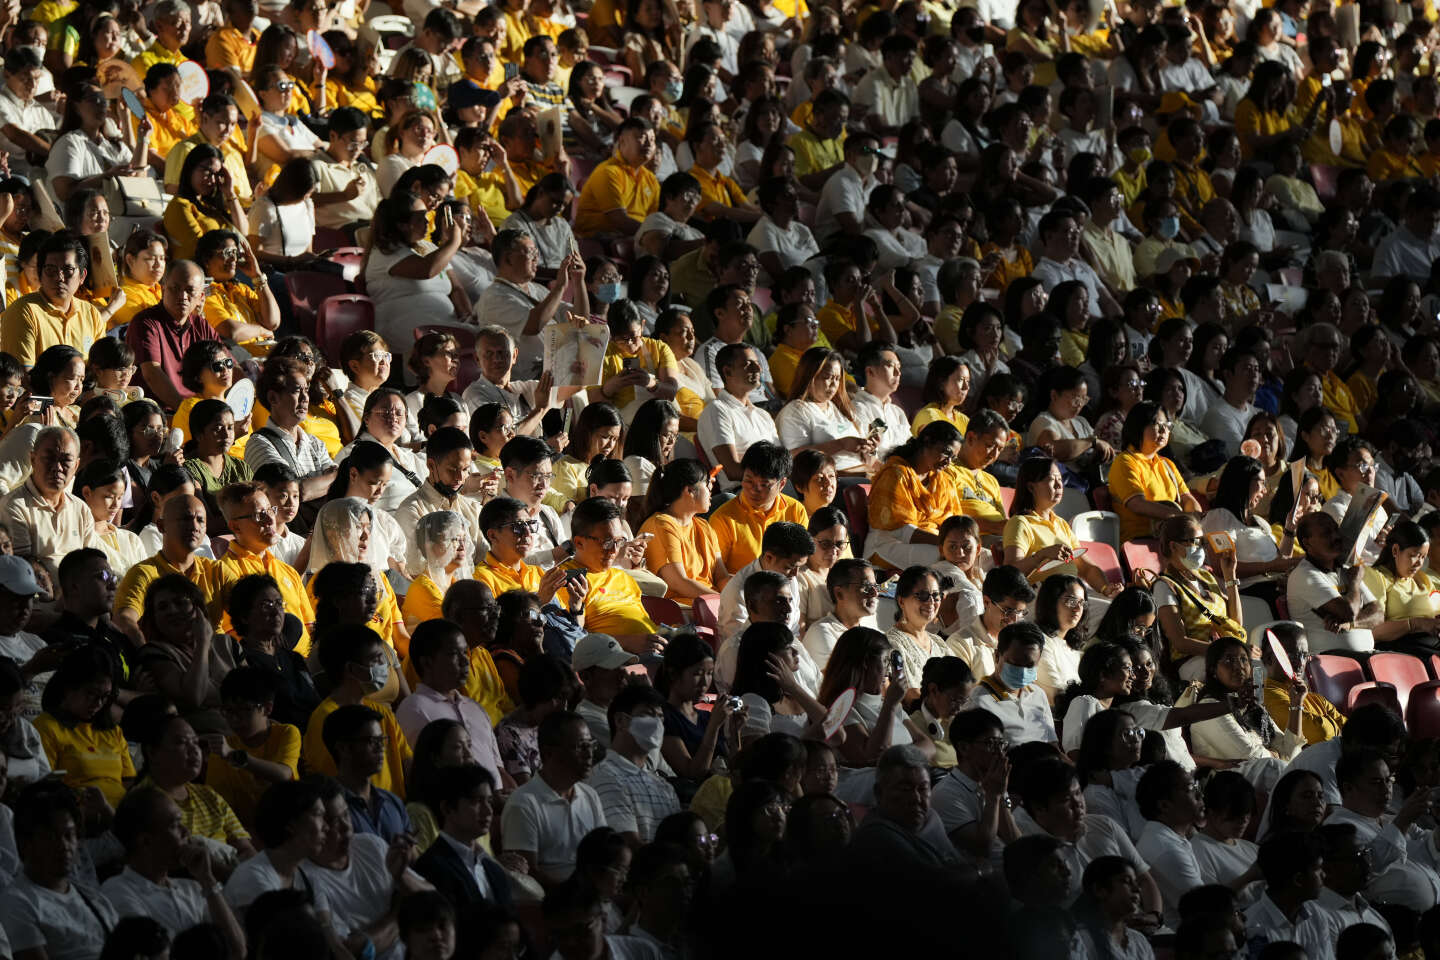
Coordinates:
column 1361, row 525
column 574, row 352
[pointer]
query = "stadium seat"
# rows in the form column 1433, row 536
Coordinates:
column 1100, row 496
column 1254, row 610
column 857, row 508
column 340, row 316
column 1257, row 628
column 1072, row 503
column 663, row 610
column 350, row 259
column 1422, row 713
column 617, row 76
column 705, row 611
column 328, row 238
column 308, row 289
column 1333, row 677
column 1007, row 497
column 1101, row 526
column 1103, row 556
column 1374, row 691
column 1142, row 555
column 1401, row 669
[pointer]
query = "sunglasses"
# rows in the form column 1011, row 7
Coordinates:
column 220, row 366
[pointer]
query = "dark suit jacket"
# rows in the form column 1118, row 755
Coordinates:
column 447, row 873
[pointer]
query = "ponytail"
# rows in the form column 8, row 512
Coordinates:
column 669, row 482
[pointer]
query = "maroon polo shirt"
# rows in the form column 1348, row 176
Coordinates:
column 157, row 338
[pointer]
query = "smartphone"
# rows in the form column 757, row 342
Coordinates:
column 629, row 364
column 565, row 421
column 1325, row 80
column 877, row 428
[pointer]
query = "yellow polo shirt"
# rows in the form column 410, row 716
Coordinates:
column 170, row 127
column 228, row 47
column 502, row 579
column 239, row 562
column 231, row 300
column 813, row 154
column 32, row 325
column 615, row 185
column 1154, row 478
column 1030, row 533
column 740, row 527
column 482, row 193
column 241, row 788
column 397, row 749
column 931, row 412
column 206, row 813
column 717, row 188
column 159, row 53
column 89, row 757
column 205, row 573
column 1338, row 399
column 138, row 296
column 613, row 605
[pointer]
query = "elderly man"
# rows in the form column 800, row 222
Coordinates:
column 523, row 307
column 45, row 519
column 53, row 314
column 1222, row 224
column 161, row 334
column 172, row 31
column 1329, row 599
column 251, row 519
column 528, row 400
column 902, row 827
column 182, row 527
column 622, row 191
column 284, row 388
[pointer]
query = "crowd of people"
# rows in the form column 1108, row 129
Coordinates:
column 998, row 408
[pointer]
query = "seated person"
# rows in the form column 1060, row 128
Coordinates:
column 355, row 737
column 733, row 422
column 913, row 494
column 986, row 436
column 612, row 602
column 1010, row 691
column 1194, row 608
column 740, row 522
column 456, row 864
column 258, row 751
column 1261, row 552
column 1328, row 597
column 854, row 598
column 1146, row 486
column 683, row 550
column 1405, row 591
column 945, row 688
column 1352, row 464
column 1320, row 720
column 354, row 661
column 784, row 549
column 512, row 538
column 635, row 797
column 172, row 760
column 1035, row 535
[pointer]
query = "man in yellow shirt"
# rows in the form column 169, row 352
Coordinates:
column 170, row 120
column 1323, row 344
column 53, row 315
column 259, row 750
column 820, row 146
column 233, row 45
column 216, row 124
column 985, row 439
column 182, row 530
column 612, row 597
column 740, row 523
column 471, row 605
column 172, row 31
column 251, row 519
column 720, row 196
column 512, row 538
column 520, row 137
column 622, row 191
column 354, row 660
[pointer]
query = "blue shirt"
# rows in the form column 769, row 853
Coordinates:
column 383, row 816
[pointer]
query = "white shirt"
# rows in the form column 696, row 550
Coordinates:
column 804, row 423
column 403, row 303
column 258, row 875
column 1025, row 713
column 1315, row 928
column 509, row 305
column 1172, row 863
column 74, row 154
column 734, row 617
column 844, row 192
column 361, row 893
column 20, row 646
column 635, row 798
column 793, row 245
column 664, row 223
column 822, row 635
column 1099, row 837
column 1253, row 544
column 959, row 802
column 1320, row 760
column 1405, row 861
column 68, row 926
column 1352, row 910
column 25, row 115
column 730, row 421
column 1059, row 665
column 284, row 229
column 1077, row 714
column 1404, row 252
column 1051, row 272
column 895, row 102
column 1200, row 396
column 869, row 408
column 1223, row 862
column 729, row 45
column 1228, row 423
column 539, row 820
column 176, row 906
column 1310, row 588
column 898, row 248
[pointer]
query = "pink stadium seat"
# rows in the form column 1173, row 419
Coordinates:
column 663, row 610
column 328, row 238
column 1374, row 692
column 705, row 611
column 341, row 316
column 308, row 289
column 762, row 300
column 1100, row 497
column 1103, row 556
column 857, row 508
column 617, row 76
column 1142, row 555
column 1401, row 669
column 1332, row 677
column 1007, row 497
column 1422, row 713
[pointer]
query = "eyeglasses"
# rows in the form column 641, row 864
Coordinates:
column 259, row 516
column 614, row 543
column 866, row 588
column 523, row 527
column 1074, row 603
column 1010, row 614
column 284, row 86
column 1133, row 735
column 927, row 596
column 374, row 743
column 991, row 744
column 221, row 365
column 52, row 271
column 829, row 545
column 378, row 357
column 541, row 477
column 229, row 253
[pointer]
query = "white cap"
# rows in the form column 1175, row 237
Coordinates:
column 17, row 576
column 600, row 650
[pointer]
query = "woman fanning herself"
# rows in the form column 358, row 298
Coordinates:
column 1246, row 733
column 1035, row 535
column 1262, row 554
column 912, row 496
column 683, row 550
column 917, row 595
column 818, row 415
column 1399, row 580
column 1146, row 486
column 876, row 722
column 1195, row 609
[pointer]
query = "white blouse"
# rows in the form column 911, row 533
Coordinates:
column 1253, row 544
column 283, row 229
column 803, row 423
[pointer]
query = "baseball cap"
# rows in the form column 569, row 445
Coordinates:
column 17, row 576
column 599, row 650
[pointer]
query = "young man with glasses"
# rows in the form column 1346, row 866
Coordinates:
column 355, row 738
column 53, row 314
column 251, row 518
column 354, row 660
column 1349, row 869
column 87, row 597
column 528, row 466
column 258, row 751
column 856, row 597
column 742, row 522
column 1007, row 596
column 346, row 191
column 511, row 536
column 1171, row 802
column 611, row 597
column 972, row 799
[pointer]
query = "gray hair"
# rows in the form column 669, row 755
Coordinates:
column 58, row 431
column 170, row 9
column 1308, row 335
column 1327, row 260
column 437, row 526
column 905, row 756
column 494, row 331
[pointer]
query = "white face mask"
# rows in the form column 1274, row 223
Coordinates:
column 379, row 676
column 39, row 50
column 647, row 732
column 1193, row 558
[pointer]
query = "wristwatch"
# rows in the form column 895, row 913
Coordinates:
column 239, row 759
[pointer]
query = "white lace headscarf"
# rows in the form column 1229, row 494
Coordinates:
column 337, row 535
column 435, row 539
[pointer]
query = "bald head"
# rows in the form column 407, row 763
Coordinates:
column 54, row 459
column 182, row 524
column 471, row 605
column 183, row 290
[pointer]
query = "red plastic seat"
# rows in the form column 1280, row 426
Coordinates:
column 308, row 289
column 857, row 508
column 1007, row 497
column 340, row 316
column 617, row 76
column 328, row 238
column 763, row 300
column 1142, row 555
column 1103, row 556
column 1422, row 713
column 1402, row 670
column 663, row 610
column 1100, row 496
column 705, row 611
column 1435, row 666
column 1332, row 677
column 1374, row 691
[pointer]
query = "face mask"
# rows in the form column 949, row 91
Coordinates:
column 1193, row 559
column 647, row 732
column 1015, row 677
column 867, row 165
column 608, row 292
column 1140, row 155
column 673, row 89
column 443, row 490
column 1168, row 227
column 379, row 676
column 39, row 51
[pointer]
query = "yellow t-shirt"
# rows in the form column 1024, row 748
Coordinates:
column 694, row 547
column 1411, row 597
column 932, row 412
column 205, row 573
column 241, row 788
column 717, row 188
column 89, row 757
column 1030, row 534
column 783, row 364
column 422, row 602
column 613, row 605
column 979, row 493
column 482, row 193
column 615, row 185
column 397, row 748
column 1154, row 478
column 207, row 814
column 813, row 154
column 654, row 356
column 1252, row 122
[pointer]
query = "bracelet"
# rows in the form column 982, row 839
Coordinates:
column 1288, row 532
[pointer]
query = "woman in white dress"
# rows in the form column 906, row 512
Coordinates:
column 86, row 154
column 766, row 668
column 282, row 221
column 408, row 278
column 818, row 416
